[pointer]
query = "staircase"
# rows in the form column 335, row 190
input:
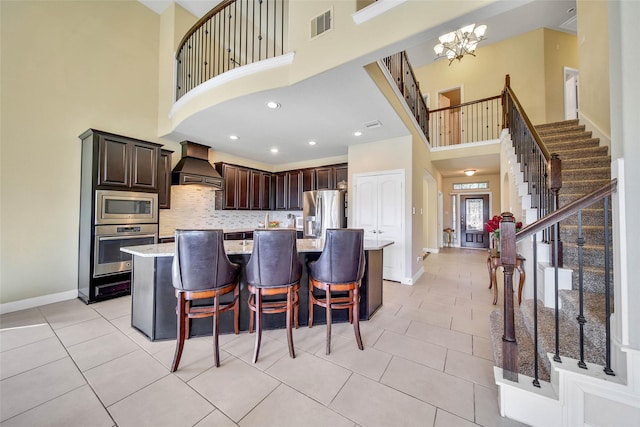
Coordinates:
column 585, row 168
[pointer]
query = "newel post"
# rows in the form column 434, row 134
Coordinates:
column 508, row 261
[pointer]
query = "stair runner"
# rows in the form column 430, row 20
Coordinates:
column 586, row 166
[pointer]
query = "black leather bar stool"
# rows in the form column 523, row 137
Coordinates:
column 273, row 269
column 340, row 268
column 202, row 270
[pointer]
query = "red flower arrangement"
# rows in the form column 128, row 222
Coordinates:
column 493, row 225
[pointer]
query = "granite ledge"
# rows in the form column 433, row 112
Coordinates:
column 236, row 247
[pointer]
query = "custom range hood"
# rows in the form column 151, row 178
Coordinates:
column 194, row 167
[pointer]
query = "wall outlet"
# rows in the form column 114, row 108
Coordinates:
column 419, row 259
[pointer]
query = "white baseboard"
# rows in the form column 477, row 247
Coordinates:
column 412, row 280
column 9, row 307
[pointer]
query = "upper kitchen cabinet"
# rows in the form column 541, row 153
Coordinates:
column 260, row 190
column 294, row 193
column 122, row 162
column 164, row 179
column 280, row 190
column 235, row 194
column 308, row 180
column 328, row 177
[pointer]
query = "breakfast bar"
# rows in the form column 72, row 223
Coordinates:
column 154, row 302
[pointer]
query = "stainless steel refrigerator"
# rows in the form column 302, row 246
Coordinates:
column 322, row 209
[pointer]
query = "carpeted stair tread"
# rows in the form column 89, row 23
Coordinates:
column 525, row 345
column 570, row 135
column 592, row 234
column 592, row 173
column 593, row 311
column 572, row 144
column 569, row 335
column 583, row 186
column 582, row 163
column 554, row 125
column 582, row 153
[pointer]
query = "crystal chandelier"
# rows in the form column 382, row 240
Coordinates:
column 456, row 44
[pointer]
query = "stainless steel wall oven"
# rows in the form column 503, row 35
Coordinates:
column 108, row 259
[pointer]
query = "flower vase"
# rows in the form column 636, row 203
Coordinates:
column 495, row 237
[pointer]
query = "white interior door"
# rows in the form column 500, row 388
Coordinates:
column 570, row 93
column 379, row 207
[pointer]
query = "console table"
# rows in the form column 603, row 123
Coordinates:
column 493, row 262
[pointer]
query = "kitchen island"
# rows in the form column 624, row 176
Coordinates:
column 153, row 300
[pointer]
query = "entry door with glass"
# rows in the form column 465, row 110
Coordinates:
column 474, row 213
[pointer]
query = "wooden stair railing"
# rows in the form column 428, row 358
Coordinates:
column 402, row 73
column 232, row 34
column 542, row 169
column 508, row 240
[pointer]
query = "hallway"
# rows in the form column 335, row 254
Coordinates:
column 427, row 362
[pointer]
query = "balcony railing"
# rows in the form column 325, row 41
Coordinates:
column 402, row 73
column 464, row 123
column 233, row 34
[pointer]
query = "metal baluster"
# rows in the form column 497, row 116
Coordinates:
column 607, row 290
column 581, row 320
column 556, row 356
column 536, row 375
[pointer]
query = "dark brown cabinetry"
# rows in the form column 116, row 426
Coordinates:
column 243, row 188
column 260, row 190
column 114, row 168
column 294, row 190
column 328, row 177
column 280, row 190
column 308, row 180
column 246, row 188
column 164, row 179
column 235, row 194
column 125, row 163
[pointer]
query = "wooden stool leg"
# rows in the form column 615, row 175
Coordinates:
column 252, row 299
column 295, row 309
column 180, row 331
column 289, row 318
column 350, row 312
column 328, row 299
column 258, row 298
column 187, row 327
column 310, row 303
column 216, row 323
column 356, row 317
column 236, row 310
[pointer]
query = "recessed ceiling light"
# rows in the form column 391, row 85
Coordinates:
column 274, row 150
column 273, row 105
column 312, row 143
column 357, row 133
column 233, row 137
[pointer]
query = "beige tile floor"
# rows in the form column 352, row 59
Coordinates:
column 427, row 362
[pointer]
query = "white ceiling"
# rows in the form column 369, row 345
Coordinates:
column 329, row 107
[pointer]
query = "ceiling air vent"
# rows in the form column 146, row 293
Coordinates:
column 372, row 125
column 321, row 24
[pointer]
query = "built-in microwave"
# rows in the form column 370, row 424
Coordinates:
column 126, row 207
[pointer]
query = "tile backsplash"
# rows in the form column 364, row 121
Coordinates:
column 193, row 206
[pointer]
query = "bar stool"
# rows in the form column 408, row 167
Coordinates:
column 202, row 270
column 340, row 268
column 273, row 269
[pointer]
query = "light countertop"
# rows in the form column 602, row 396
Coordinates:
column 236, row 247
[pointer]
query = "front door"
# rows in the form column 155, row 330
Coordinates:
column 474, row 213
